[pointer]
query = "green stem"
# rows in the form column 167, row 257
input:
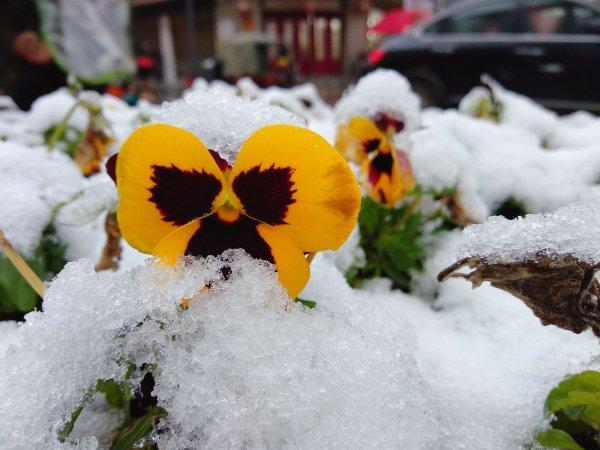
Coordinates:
column 61, row 127
column 409, row 210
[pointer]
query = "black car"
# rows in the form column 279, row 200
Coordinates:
column 546, row 49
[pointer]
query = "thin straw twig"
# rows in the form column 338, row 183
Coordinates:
column 21, row 265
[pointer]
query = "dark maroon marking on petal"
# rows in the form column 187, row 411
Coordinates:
column 223, row 165
column 111, row 167
column 215, row 236
column 371, row 145
column 183, row 195
column 383, row 121
column 382, row 163
column 266, row 194
column 382, row 196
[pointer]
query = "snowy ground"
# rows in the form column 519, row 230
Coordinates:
column 449, row 368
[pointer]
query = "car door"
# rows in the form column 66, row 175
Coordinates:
column 471, row 41
column 558, row 55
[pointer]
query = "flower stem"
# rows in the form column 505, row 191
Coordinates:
column 60, row 128
column 21, row 265
column 409, row 210
column 310, row 257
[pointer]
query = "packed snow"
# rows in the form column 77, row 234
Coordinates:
column 222, row 120
column 444, row 367
column 572, row 230
column 381, row 91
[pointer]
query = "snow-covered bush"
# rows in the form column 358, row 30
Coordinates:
column 211, row 353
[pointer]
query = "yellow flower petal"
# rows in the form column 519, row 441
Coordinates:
column 175, row 243
column 213, row 235
column 388, row 177
column 293, row 179
column 165, row 177
column 293, row 271
column 359, row 138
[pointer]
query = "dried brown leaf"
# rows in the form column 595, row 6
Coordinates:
column 560, row 290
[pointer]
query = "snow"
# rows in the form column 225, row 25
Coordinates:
column 445, row 367
column 572, row 230
column 366, row 369
column 222, row 120
column 437, row 159
column 522, row 112
column 506, row 161
column 33, row 181
column 49, row 110
column 98, row 195
column 8, row 335
column 383, row 90
column 236, row 342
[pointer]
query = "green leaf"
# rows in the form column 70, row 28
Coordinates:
column 139, row 429
column 369, row 217
column 578, row 397
column 308, row 303
column 511, row 208
column 15, row 293
column 554, row 438
column 16, row 296
column 117, row 394
column 391, row 240
column 65, row 431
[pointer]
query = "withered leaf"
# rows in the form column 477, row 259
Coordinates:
column 561, row 290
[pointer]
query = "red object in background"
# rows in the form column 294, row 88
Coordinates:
column 115, row 90
column 397, row 20
column 375, row 55
column 145, row 62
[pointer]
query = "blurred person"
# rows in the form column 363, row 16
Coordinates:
column 32, row 70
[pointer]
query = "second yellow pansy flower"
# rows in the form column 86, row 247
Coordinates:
column 386, row 171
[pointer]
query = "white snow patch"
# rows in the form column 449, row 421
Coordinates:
column 572, row 230
column 222, row 120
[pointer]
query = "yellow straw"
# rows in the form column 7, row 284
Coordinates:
column 21, row 265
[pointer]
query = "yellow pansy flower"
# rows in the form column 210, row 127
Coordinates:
column 388, row 176
column 288, row 193
column 386, row 172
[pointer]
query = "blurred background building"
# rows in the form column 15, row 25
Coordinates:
column 156, row 48
column 318, row 40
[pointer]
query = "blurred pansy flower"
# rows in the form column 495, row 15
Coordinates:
column 91, row 149
column 386, row 171
column 289, row 193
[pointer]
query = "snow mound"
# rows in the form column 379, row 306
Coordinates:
column 33, row 181
column 98, row 196
column 572, row 230
column 222, row 120
column 51, row 109
column 522, row 112
column 381, row 91
column 242, row 367
column 437, row 159
column 505, row 161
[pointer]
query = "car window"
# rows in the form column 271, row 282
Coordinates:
column 544, row 17
column 583, row 17
column 490, row 18
column 555, row 17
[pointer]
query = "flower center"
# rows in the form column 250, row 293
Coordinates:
column 228, row 213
